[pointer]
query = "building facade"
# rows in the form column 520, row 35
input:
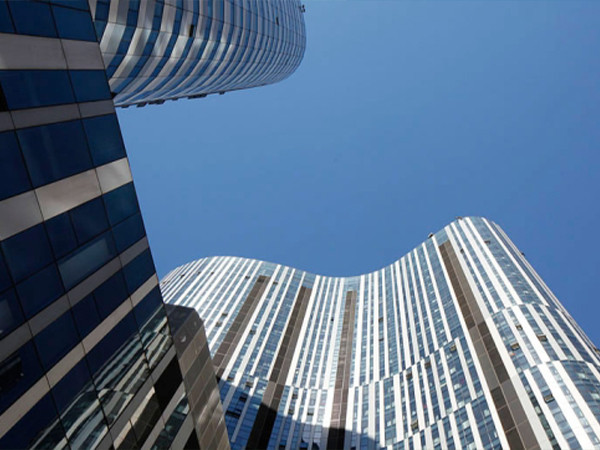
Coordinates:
column 459, row 344
column 87, row 358
column 157, row 50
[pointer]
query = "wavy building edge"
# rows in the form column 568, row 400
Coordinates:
column 459, row 343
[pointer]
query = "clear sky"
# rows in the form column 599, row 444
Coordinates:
column 402, row 115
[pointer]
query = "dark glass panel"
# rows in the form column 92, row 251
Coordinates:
column 77, row 4
column 168, row 383
column 90, row 85
column 74, row 24
column 55, row 341
column 39, row 290
column 86, row 315
column 56, row 151
column 10, row 313
column 79, row 408
column 89, row 220
column 138, row 270
column 32, row 18
column 86, row 259
column 104, row 138
column 13, row 174
column 6, row 25
column 33, row 88
column 5, row 281
column 118, row 367
column 110, row 294
column 27, row 252
column 121, row 203
column 152, row 321
column 17, row 373
column 129, row 232
column 61, row 234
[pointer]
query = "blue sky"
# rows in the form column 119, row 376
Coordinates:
column 402, row 116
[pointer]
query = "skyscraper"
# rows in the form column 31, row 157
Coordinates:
column 158, row 49
column 87, row 357
column 458, row 344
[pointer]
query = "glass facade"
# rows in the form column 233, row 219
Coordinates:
column 87, row 358
column 164, row 50
column 459, row 344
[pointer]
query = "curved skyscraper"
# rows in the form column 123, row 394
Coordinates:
column 459, row 344
column 156, row 50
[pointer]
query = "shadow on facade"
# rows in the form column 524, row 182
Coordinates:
column 264, row 427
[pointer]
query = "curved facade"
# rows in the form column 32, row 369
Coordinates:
column 459, row 344
column 158, row 50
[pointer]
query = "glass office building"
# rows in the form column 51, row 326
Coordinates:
column 459, row 344
column 155, row 50
column 87, row 352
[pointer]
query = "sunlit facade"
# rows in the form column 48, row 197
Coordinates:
column 159, row 50
column 458, row 344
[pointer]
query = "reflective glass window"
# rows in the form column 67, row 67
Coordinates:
column 90, row 85
column 13, row 174
column 32, row 18
column 6, row 25
column 89, row 220
column 55, row 151
column 74, row 24
column 79, row 408
column 39, row 290
column 55, row 341
column 27, row 252
column 121, row 203
column 86, row 259
column 86, row 315
column 104, row 138
column 33, row 88
column 5, row 281
column 138, row 270
column 129, row 232
column 61, row 234
column 10, row 312
column 110, row 294
column 39, row 428
column 19, row 371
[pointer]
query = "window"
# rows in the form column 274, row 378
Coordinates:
column 86, row 315
column 32, row 18
column 39, row 290
column 19, row 371
column 34, row 88
column 56, row 151
column 61, row 234
column 110, row 294
column 129, row 232
column 85, row 260
column 138, row 270
column 121, row 203
column 56, row 340
column 73, row 24
column 27, row 252
column 90, row 85
column 13, row 174
column 10, row 312
column 89, row 220
column 6, row 25
column 104, row 138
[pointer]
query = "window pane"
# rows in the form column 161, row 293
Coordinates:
column 10, row 312
column 13, row 175
column 90, row 85
column 19, row 371
column 32, row 18
column 33, row 88
column 86, row 315
column 27, row 252
column 138, row 270
column 121, row 203
column 73, row 24
column 56, row 151
column 110, row 294
column 39, row 290
column 104, row 138
column 129, row 232
column 56, row 340
column 85, row 260
column 6, row 25
column 89, row 220
column 61, row 234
